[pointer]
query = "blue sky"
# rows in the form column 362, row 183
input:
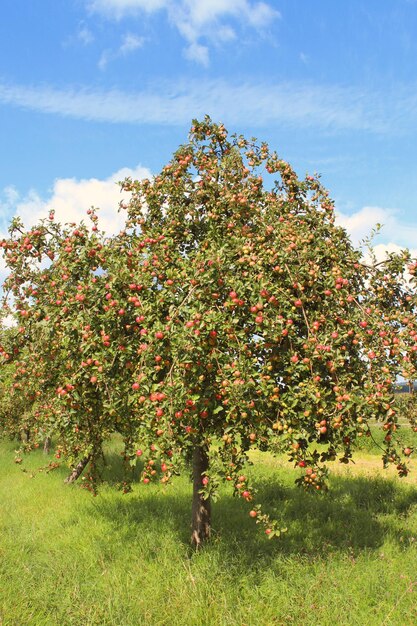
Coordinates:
column 91, row 90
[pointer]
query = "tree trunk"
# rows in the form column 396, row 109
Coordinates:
column 47, row 445
column 25, row 435
column 201, row 509
column 77, row 471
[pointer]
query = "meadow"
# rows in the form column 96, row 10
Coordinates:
column 70, row 559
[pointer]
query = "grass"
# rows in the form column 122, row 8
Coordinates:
column 69, row 559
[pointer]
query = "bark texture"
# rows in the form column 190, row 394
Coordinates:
column 47, row 445
column 77, row 471
column 201, row 508
column 25, row 435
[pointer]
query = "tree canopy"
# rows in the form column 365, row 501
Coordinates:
column 231, row 313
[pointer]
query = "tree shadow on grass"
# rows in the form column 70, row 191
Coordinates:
column 113, row 471
column 356, row 515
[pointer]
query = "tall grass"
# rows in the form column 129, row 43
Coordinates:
column 69, row 559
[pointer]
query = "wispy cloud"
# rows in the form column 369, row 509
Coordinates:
column 129, row 44
column 198, row 21
column 8, row 199
column 117, row 9
column 85, row 35
column 197, row 52
column 332, row 108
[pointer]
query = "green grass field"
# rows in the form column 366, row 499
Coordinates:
column 68, row 558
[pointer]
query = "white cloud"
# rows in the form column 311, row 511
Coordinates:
column 85, row 35
column 8, row 322
column 381, row 250
column 104, row 59
column 196, row 52
column 71, row 198
column 226, row 33
column 8, row 199
column 10, row 195
column 201, row 13
column 361, row 223
column 329, row 107
column 261, row 14
column 395, row 235
column 129, row 44
column 116, row 9
column 195, row 19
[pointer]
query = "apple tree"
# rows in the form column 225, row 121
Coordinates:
column 266, row 328
column 70, row 384
column 231, row 313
